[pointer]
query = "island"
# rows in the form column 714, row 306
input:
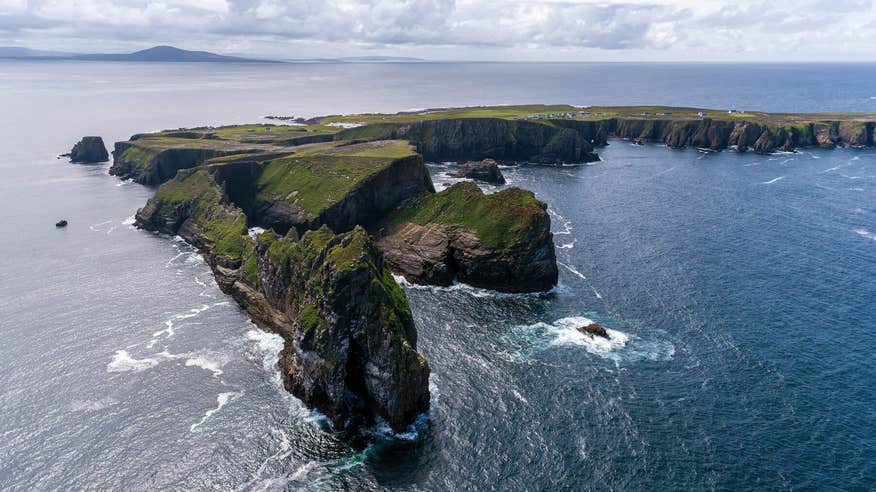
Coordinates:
column 304, row 224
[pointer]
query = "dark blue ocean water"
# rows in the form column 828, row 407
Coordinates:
column 740, row 289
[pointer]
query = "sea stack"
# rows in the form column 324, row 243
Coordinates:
column 486, row 170
column 89, row 150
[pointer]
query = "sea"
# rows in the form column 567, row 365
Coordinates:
column 739, row 291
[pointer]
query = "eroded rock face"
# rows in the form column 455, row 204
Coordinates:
column 89, row 150
column 350, row 341
column 486, row 170
column 435, row 240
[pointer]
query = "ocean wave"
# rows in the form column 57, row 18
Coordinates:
column 531, row 340
column 572, row 269
column 123, row 362
column 213, row 363
column 222, row 400
column 774, row 180
column 865, row 233
column 467, row 289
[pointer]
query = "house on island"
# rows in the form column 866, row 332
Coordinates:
column 702, row 114
column 733, row 111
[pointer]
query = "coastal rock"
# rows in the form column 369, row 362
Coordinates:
column 486, row 170
column 500, row 241
column 594, row 330
column 479, row 138
column 349, row 338
column 89, row 150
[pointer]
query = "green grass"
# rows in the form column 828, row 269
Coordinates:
column 224, row 227
column 498, row 219
column 315, row 181
column 596, row 113
column 139, row 156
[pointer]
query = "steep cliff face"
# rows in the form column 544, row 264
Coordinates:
column 500, row 241
column 153, row 165
column 744, row 135
column 350, row 341
column 89, row 150
column 352, row 190
column 480, row 138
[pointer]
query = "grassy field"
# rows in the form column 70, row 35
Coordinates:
column 325, row 173
column 596, row 113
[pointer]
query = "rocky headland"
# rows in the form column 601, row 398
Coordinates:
column 344, row 201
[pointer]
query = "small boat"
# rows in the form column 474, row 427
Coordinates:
column 61, row 223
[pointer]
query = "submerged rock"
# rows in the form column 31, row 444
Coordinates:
column 89, row 150
column 594, row 329
column 486, row 170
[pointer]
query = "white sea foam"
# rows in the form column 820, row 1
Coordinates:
column 222, row 400
column 774, row 180
column 212, row 363
column 618, row 347
column 123, row 362
column 566, row 333
column 573, row 270
column 465, row 288
column 92, row 405
column 567, row 245
column 865, row 233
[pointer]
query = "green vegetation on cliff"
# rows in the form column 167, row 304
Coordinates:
column 223, row 227
column 498, row 219
column 318, row 177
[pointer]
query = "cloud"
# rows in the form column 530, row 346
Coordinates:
column 472, row 28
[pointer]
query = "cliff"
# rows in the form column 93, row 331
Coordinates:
column 481, row 138
column 350, row 342
column 500, row 241
column 518, row 132
column 743, row 135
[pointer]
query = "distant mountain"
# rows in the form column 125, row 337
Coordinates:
column 156, row 54
column 169, row 54
column 173, row 54
column 19, row 52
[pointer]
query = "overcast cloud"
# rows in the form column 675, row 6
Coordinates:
column 683, row 30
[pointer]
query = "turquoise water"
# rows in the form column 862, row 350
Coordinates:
column 739, row 287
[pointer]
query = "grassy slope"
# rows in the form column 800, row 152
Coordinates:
column 223, row 226
column 498, row 219
column 324, row 174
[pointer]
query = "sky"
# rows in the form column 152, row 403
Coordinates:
column 500, row 30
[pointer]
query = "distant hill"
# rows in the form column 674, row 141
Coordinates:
column 168, row 54
column 156, row 54
column 173, row 54
column 19, row 52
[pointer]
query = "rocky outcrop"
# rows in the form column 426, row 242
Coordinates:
column 486, row 170
column 89, row 150
column 594, row 330
column 500, row 241
column 153, row 165
column 480, row 138
column 350, row 342
column 744, row 135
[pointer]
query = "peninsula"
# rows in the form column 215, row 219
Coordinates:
column 304, row 224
